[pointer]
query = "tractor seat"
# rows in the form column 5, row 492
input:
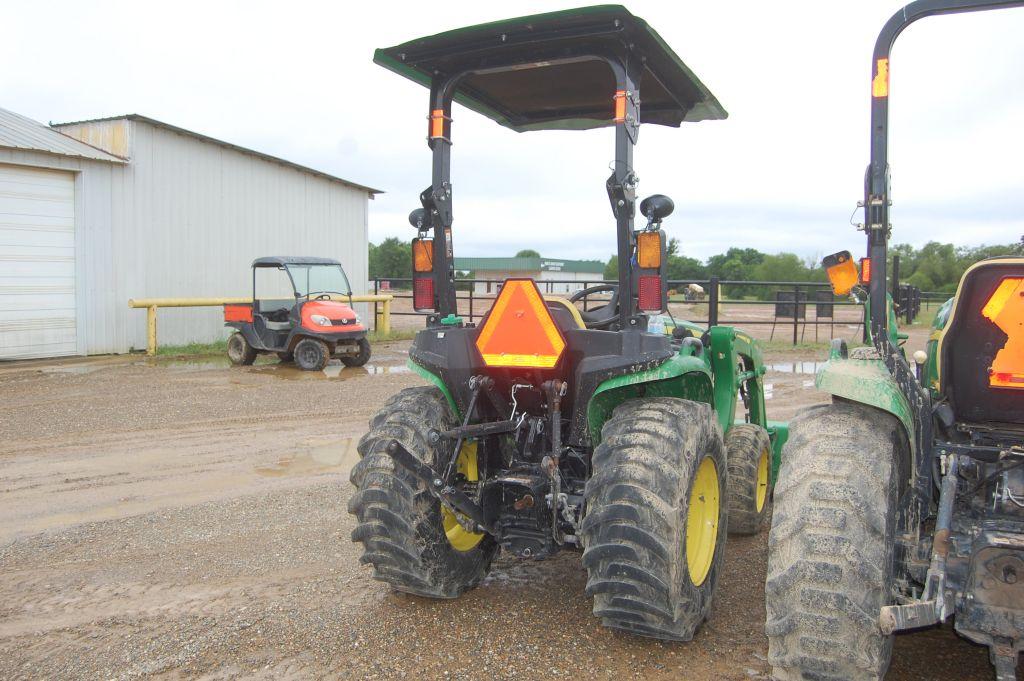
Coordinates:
column 565, row 314
column 981, row 348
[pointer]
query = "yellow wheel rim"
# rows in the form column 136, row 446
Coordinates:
column 702, row 521
column 459, row 537
column 762, row 479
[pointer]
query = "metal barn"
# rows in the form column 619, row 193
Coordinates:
column 96, row 212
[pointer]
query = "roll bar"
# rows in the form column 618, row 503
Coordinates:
column 876, row 180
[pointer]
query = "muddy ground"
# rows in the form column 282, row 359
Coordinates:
column 182, row 519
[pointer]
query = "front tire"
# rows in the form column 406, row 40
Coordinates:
column 312, row 354
column 239, row 351
column 407, row 536
column 830, row 560
column 656, row 518
column 359, row 359
column 749, row 451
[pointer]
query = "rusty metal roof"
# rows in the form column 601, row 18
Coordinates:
column 20, row 132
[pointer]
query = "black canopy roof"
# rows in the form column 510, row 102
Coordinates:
column 282, row 260
column 543, row 71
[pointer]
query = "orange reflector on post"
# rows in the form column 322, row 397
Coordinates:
column 1005, row 309
column 519, row 331
column 422, row 255
column 880, row 83
column 437, row 119
column 648, row 250
column 865, row 270
column 841, row 271
column 620, row 106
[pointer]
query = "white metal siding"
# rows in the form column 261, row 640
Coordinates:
column 202, row 213
column 37, row 263
column 185, row 217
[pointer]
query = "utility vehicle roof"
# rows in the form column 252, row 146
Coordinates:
column 282, row 260
column 520, row 81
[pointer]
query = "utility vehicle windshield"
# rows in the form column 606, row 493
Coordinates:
column 313, row 280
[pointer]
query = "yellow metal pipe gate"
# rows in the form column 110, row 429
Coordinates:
column 383, row 321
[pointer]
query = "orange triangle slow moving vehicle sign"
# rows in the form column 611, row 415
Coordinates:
column 519, row 331
column 1005, row 309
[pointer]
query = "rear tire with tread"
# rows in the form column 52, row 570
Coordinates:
column 635, row 528
column 830, row 560
column 744, row 445
column 239, row 351
column 400, row 523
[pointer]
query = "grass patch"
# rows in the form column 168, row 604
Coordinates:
column 395, row 335
column 193, row 349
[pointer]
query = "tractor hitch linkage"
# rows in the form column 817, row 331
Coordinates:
column 448, row 494
column 934, row 605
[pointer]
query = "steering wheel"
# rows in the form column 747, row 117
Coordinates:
column 601, row 317
column 323, row 296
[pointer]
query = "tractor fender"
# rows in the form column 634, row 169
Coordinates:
column 684, row 376
column 436, row 381
column 866, row 381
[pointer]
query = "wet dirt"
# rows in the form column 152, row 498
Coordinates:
column 184, row 519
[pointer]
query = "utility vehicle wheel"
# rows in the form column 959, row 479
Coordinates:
column 413, row 543
column 830, row 550
column 286, row 357
column 749, row 451
column 360, row 359
column 655, row 524
column 239, row 350
column 312, row 354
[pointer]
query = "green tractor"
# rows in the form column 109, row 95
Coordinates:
column 900, row 504
column 549, row 427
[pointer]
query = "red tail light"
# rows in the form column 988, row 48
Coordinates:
column 650, row 299
column 423, row 293
column 865, row 270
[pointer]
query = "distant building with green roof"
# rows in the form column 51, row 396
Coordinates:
column 553, row 275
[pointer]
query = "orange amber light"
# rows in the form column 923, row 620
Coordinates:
column 841, row 271
column 648, row 250
column 422, row 255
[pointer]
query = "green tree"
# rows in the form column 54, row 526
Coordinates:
column 527, row 253
column 611, row 270
column 391, row 259
column 736, row 264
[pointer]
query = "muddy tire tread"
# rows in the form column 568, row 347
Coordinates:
column 247, row 355
column 743, row 445
column 635, row 521
column 832, row 526
column 398, row 520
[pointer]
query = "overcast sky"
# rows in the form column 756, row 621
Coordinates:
column 782, row 173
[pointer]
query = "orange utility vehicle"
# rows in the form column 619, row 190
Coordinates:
column 308, row 328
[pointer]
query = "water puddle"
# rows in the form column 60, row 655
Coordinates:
column 337, row 456
column 810, row 368
column 334, row 370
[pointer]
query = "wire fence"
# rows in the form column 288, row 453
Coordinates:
column 785, row 309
